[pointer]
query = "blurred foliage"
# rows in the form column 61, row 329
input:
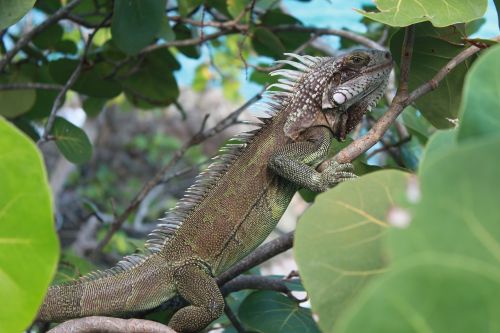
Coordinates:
column 358, row 269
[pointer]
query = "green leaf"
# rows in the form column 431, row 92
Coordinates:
column 448, row 260
column 277, row 17
column 187, row 6
column 153, row 84
column 399, row 13
column 44, row 99
column 429, row 294
column 136, row 23
column 66, row 46
column 28, row 242
column 49, row 37
column 497, row 6
column 339, row 244
column 272, row 312
column 15, row 102
column 93, row 106
column 417, row 124
column 93, row 80
column 479, row 115
column 433, row 48
column 267, row 44
column 182, row 32
column 235, row 7
column 12, row 11
column 72, row 141
column 460, row 188
column 166, row 32
column 439, row 143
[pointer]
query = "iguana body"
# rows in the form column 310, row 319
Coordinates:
column 236, row 203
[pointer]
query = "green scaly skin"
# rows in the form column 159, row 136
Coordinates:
column 226, row 217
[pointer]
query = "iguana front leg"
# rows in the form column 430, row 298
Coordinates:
column 199, row 289
column 297, row 161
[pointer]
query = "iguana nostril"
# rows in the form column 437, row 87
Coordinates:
column 387, row 55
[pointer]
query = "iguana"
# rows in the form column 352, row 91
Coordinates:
column 236, row 203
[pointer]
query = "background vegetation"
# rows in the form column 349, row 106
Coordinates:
column 412, row 245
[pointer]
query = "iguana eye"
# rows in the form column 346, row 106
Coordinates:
column 357, row 60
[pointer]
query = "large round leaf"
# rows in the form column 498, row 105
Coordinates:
column 430, row 294
column 480, row 107
column 459, row 211
column 442, row 13
column 339, row 244
column 28, row 243
column 136, row 23
column 272, row 312
column 12, row 11
column 445, row 275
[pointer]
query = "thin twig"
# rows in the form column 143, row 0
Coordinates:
column 26, row 38
column 187, row 42
column 258, row 282
column 388, row 147
column 71, row 81
column 233, row 319
column 30, row 85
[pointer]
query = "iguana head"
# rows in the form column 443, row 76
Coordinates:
column 334, row 92
column 359, row 80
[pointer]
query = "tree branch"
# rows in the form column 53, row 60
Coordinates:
column 257, row 282
column 30, row 85
column 71, row 81
column 97, row 324
column 26, row 38
column 261, row 254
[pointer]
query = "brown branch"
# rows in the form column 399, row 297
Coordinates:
column 26, row 38
column 387, row 146
column 159, row 176
column 71, row 81
column 335, row 32
column 188, row 42
column 400, row 101
column 30, row 85
column 97, row 324
column 257, row 282
column 261, row 254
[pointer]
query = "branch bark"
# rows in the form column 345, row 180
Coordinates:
column 261, row 254
column 71, row 81
column 30, row 85
column 97, row 324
